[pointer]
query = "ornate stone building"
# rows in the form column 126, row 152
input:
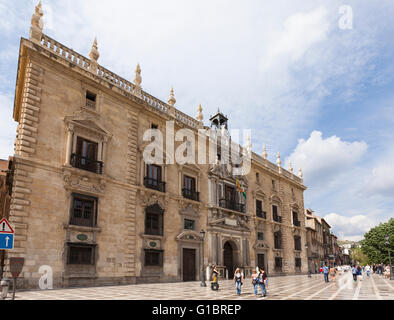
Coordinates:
column 86, row 204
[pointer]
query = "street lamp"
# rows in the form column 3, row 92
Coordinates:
column 307, row 256
column 202, row 235
column 388, row 249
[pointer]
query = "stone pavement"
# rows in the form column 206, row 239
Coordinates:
column 298, row 287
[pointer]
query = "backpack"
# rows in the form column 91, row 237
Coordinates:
column 255, row 281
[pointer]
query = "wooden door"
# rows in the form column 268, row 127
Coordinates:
column 228, row 259
column 189, row 264
column 261, row 261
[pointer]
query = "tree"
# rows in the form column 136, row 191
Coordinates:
column 374, row 244
column 358, row 256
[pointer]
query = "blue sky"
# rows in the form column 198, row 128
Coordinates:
column 320, row 95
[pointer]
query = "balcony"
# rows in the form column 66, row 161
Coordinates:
column 261, row 214
column 87, row 164
column 90, row 104
column 190, row 194
column 154, row 184
column 277, row 218
column 297, row 223
column 231, row 205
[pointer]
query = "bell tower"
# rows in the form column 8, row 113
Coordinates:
column 219, row 121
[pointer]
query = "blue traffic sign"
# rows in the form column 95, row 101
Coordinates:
column 6, row 241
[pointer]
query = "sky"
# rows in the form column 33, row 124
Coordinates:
column 312, row 79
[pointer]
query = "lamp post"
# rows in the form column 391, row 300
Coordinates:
column 203, row 284
column 388, row 249
column 307, row 256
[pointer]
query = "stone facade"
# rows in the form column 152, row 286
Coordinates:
column 107, row 221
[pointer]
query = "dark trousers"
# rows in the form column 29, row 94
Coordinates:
column 326, row 277
column 355, row 276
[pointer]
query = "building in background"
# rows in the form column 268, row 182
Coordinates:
column 86, row 204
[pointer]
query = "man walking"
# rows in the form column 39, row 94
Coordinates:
column 325, row 272
column 368, row 269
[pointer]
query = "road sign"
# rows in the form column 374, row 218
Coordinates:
column 16, row 266
column 5, row 227
column 6, row 241
column 6, row 235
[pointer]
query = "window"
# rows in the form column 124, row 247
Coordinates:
column 154, row 220
column 189, row 225
column 90, row 100
column 86, row 155
column 189, row 188
column 278, row 264
column 278, row 240
column 257, row 177
column 153, row 179
column 81, row 254
column 273, row 184
column 275, row 214
column 259, row 209
column 260, row 236
column 297, row 242
column 295, row 219
column 153, row 258
column 298, row 263
column 83, row 211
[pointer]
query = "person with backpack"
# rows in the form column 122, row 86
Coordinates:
column 255, row 281
column 333, row 272
column 238, row 278
column 354, row 272
column 262, row 282
column 325, row 271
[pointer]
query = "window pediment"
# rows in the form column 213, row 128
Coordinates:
column 88, row 122
column 189, row 236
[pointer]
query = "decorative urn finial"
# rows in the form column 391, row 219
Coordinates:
column 172, row 100
column 137, row 81
column 200, row 116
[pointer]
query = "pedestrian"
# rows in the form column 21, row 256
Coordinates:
column 368, row 269
column 263, row 282
column 321, row 270
column 354, row 272
column 325, row 272
column 238, row 278
column 360, row 272
column 255, row 281
column 380, row 270
column 333, row 272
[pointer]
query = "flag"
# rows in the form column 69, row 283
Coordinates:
column 240, row 188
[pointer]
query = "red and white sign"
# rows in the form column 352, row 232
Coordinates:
column 5, row 227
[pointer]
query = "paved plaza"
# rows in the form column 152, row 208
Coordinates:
column 279, row 288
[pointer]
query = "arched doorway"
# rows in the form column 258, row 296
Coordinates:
column 228, row 259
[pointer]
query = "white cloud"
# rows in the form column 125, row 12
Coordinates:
column 323, row 160
column 380, row 181
column 349, row 228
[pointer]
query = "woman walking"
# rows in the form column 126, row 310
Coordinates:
column 238, row 278
column 262, row 282
column 333, row 273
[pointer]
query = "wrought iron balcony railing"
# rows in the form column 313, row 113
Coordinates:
column 261, row 214
column 277, row 218
column 155, row 184
column 192, row 195
column 87, row 164
column 297, row 223
column 231, row 205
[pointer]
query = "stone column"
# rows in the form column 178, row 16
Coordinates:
column 70, row 133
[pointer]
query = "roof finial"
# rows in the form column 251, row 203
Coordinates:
column 137, row 81
column 279, row 162
column 94, row 55
column 300, row 174
column 200, row 116
column 265, row 154
column 37, row 24
column 172, row 100
column 249, row 144
column 290, row 167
